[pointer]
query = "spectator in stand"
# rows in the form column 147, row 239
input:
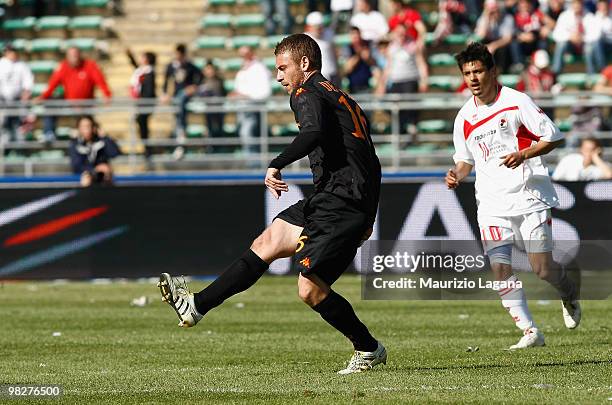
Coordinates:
column 91, row 153
column 401, row 13
column 603, row 13
column 253, row 82
column 405, row 73
column 538, row 78
column 341, row 10
column 495, row 28
column 273, row 10
column 79, row 77
column 359, row 63
column 529, row 24
column 213, row 86
column 186, row 78
column 604, row 19
column 325, row 39
column 605, row 82
column 142, row 85
column 452, row 18
column 587, row 165
column 371, row 23
column 16, row 82
column 577, row 30
column 552, row 10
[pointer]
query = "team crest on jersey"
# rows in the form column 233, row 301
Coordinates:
column 503, row 124
column 299, row 91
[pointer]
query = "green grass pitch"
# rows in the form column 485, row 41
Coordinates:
column 266, row 346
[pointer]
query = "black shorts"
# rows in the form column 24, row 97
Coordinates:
column 333, row 228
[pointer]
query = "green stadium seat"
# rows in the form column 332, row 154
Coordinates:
column 210, row 42
column 442, row 59
column 270, row 62
column 342, row 40
column 42, row 66
column 84, row 44
column 221, row 2
column 564, row 125
column 199, row 62
column 249, row 2
column 45, row 45
column 216, row 20
column 457, row 39
column 92, row 3
column 232, row 64
column 423, row 149
column 86, row 22
column 39, row 88
column 19, row 24
column 277, row 87
column 248, row 20
column 509, row 80
column 195, row 131
column 230, row 129
column 572, row 80
column 63, row 133
column 429, row 38
column 229, row 85
column 447, row 83
column 53, row 22
column 272, row 40
column 246, row 40
column 433, row 126
column 20, row 44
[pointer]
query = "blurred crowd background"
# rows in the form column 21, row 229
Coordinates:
column 189, row 85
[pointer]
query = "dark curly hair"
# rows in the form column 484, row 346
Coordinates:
column 476, row 51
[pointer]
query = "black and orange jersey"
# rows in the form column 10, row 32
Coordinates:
column 335, row 133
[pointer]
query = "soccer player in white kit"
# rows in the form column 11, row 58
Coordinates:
column 502, row 133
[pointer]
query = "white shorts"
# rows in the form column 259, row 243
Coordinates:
column 530, row 232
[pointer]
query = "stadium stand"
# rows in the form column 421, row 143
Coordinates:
column 214, row 30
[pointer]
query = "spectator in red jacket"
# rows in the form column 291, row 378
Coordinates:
column 411, row 18
column 79, row 77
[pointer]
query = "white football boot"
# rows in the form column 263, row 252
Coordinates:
column 364, row 361
column 532, row 338
column 177, row 295
column 571, row 313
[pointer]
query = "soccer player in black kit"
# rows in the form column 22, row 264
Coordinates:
column 323, row 231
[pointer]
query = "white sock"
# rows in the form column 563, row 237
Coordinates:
column 513, row 299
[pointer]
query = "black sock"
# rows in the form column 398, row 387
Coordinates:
column 239, row 276
column 566, row 287
column 339, row 313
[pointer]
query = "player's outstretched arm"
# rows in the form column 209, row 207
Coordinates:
column 515, row 159
column 455, row 175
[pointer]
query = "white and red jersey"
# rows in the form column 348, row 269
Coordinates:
column 484, row 133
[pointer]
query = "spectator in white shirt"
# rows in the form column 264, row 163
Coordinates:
column 605, row 19
column 578, row 30
column 252, row 82
column 16, row 82
column 371, row 23
column 324, row 37
column 584, row 166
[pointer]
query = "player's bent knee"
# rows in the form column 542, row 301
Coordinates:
column 310, row 293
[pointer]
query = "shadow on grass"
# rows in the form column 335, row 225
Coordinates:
column 493, row 366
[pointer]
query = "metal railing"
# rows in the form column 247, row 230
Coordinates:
column 393, row 154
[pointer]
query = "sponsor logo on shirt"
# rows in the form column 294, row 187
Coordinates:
column 485, row 134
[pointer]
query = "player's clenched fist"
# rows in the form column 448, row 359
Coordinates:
column 451, row 179
column 274, row 182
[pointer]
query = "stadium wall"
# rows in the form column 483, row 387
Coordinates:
column 141, row 230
